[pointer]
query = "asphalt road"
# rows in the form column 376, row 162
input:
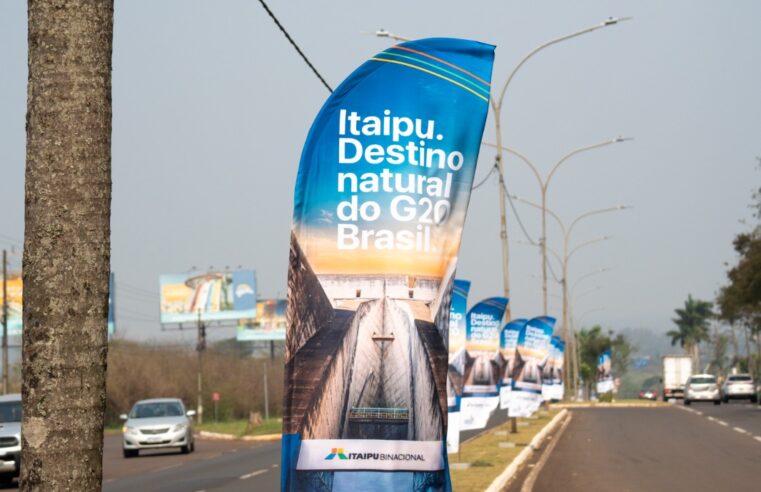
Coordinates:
column 654, row 449
column 215, row 465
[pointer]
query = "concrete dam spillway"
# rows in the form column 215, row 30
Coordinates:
column 364, row 367
column 380, row 384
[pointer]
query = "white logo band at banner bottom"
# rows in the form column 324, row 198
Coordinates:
column 370, row 454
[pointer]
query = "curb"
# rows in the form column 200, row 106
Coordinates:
column 501, row 481
column 231, row 437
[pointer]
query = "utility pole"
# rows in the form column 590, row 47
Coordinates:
column 5, row 322
column 200, row 347
column 266, row 396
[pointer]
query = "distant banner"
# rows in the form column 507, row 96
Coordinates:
column 457, row 358
column 217, row 296
column 380, row 202
column 604, row 373
column 552, row 385
column 532, row 354
column 484, row 362
column 508, row 344
column 269, row 324
column 558, row 376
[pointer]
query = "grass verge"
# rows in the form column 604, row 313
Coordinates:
column 487, row 459
column 239, row 427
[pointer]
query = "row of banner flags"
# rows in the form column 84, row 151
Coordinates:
column 514, row 367
column 380, row 353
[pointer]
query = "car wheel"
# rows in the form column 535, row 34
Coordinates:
column 725, row 399
column 185, row 449
column 192, row 445
column 6, row 478
column 687, row 402
column 130, row 453
column 717, row 402
column 754, row 399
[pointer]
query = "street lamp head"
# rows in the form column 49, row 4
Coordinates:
column 622, row 139
column 624, row 207
column 382, row 33
column 614, row 20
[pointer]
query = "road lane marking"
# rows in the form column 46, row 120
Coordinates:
column 168, row 467
column 740, row 430
column 757, row 438
column 699, row 413
column 721, row 422
column 275, row 465
column 712, row 419
column 253, row 474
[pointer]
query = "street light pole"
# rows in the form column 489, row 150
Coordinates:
column 544, row 184
column 496, row 106
column 497, row 111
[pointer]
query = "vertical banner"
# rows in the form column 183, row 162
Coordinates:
column 532, row 354
column 484, row 361
column 508, row 344
column 380, row 202
column 548, row 372
column 558, row 377
column 457, row 358
column 604, row 373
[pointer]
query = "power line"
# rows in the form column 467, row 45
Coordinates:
column 480, row 183
column 295, row 46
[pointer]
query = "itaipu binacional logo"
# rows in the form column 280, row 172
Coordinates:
column 374, row 456
column 336, row 452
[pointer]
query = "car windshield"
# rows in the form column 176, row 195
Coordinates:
column 739, row 378
column 10, row 411
column 703, row 380
column 157, row 409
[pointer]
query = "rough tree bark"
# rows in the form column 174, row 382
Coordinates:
column 66, row 243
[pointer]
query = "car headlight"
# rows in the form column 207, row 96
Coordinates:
column 128, row 430
column 179, row 427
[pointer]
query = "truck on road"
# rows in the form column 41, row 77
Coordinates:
column 677, row 369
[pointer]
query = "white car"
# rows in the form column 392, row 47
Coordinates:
column 159, row 423
column 10, row 437
column 702, row 387
column 739, row 387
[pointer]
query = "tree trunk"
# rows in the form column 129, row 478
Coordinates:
column 66, row 243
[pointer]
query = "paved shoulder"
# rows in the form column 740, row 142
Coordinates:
column 659, row 449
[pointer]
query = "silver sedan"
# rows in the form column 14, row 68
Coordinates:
column 158, row 424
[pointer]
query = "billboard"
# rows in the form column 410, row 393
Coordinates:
column 381, row 196
column 217, row 296
column 15, row 297
column 269, row 323
column 15, row 289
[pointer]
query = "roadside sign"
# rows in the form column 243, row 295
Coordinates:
column 215, row 396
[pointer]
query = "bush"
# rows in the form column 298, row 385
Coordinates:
column 138, row 370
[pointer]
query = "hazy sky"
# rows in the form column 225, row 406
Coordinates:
column 212, row 106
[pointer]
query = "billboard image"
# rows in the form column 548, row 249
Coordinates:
column 269, row 323
column 508, row 346
column 15, row 290
column 533, row 353
column 217, row 296
column 381, row 196
column 457, row 358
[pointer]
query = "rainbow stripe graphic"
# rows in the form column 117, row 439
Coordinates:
column 408, row 57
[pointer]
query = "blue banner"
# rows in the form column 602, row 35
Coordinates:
column 381, row 197
column 508, row 345
column 457, row 359
column 533, row 353
column 481, row 377
column 604, row 373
